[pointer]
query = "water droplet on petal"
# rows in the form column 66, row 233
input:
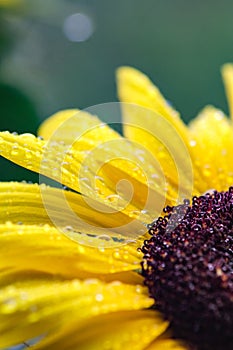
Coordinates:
column 9, row 305
column 113, row 197
column 68, row 228
column 99, row 297
column 192, row 143
column 105, row 237
column 28, row 136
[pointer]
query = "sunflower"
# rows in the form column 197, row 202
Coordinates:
column 84, row 266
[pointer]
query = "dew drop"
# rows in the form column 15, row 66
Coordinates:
column 33, row 316
column 144, row 211
column 84, row 179
column 14, row 152
column 91, row 281
column 20, row 232
column 9, row 305
column 138, row 289
column 115, row 284
column 28, row 154
column 112, row 197
column 68, row 228
column 141, row 159
column 105, row 238
column 135, row 212
column 128, row 241
column 99, row 297
column 100, row 178
column 116, row 254
column 63, row 164
column 192, row 143
column 139, row 151
column 154, row 176
column 28, row 136
column 101, row 249
column 14, row 149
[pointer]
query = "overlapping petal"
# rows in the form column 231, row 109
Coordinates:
column 108, row 158
column 118, row 330
column 73, row 166
column 53, row 282
column 135, row 87
column 40, row 204
column 39, row 306
column 46, row 249
column 158, row 128
column 211, row 137
column 227, row 74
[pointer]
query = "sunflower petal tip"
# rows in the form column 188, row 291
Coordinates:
column 227, row 66
column 209, row 108
column 126, row 69
column 129, row 73
column 227, row 76
column 47, row 127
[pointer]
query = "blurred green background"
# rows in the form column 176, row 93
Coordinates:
column 59, row 54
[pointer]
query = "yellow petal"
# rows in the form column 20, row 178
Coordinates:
column 211, row 137
column 46, row 249
column 110, row 160
column 227, row 74
column 36, row 307
column 34, row 154
column 41, row 204
column 120, row 330
column 49, row 126
column 159, row 129
column 135, row 87
column 75, row 168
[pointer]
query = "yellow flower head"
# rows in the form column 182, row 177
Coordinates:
column 96, row 263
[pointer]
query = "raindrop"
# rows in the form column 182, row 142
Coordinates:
column 155, row 176
column 91, row 281
column 9, row 305
column 144, row 211
column 112, row 197
column 28, row 136
column 141, row 159
column 99, row 297
column 105, row 237
column 82, row 179
column 116, row 254
column 28, row 154
column 128, row 241
column 100, row 178
column 192, row 143
column 138, row 289
column 68, row 228
column 14, row 150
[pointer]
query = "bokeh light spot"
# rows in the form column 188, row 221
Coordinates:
column 78, row 27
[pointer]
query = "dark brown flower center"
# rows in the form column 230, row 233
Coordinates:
column 188, row 269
